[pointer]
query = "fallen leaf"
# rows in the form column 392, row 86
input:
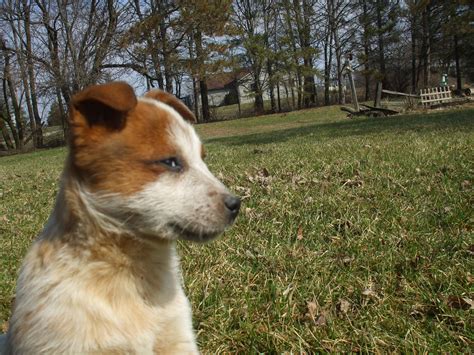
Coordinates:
column 344, row 306
column 465, row 184
column 369, row 293
column 352, row 182
column 312, row 310
column 457, row 302
column 470, row 279
column 299, row 236
column 347, row 260
column 321, row 320
column 249, row 254
column 243, row 191
column 418, row 311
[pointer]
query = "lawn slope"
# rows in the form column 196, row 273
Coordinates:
column 355, row 235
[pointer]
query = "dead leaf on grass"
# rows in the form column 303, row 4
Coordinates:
column 315, row 315
column 457, row 302
column 466, row 184
column 299, row 236
column 343, row 306
column 347, row 260
column 321, row 320
column 262, row 177
column 418, row 311
column 352, row 182
column 299, row 180
column 369, row 292
column 312, row 309
column 250, row 213
column 243, row 191
column 249, row 254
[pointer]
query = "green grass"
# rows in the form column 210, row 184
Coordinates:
column 355, row 235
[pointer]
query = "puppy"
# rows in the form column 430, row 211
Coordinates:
column 103, row 276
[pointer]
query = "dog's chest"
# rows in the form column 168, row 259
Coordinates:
column 97, row 305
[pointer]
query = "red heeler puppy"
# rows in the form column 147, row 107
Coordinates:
column 103, row 276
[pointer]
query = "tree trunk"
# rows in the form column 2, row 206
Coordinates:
column 458, row 66
column 18, row 42
column 20, row 124
column 381, row 42
column 165, row 53
column 64, row 121
column 309, row 83
column 335, row 36
column 259, row 108
column 295, row 56
column 202, row 78
column 7, row 116
column 426, row 46
column 278, row 96
column 366, row 39
column 414, row 84
column 38, row 134
column 4, row 129
column 18, row 128
column 269, row 61
column 327, row 66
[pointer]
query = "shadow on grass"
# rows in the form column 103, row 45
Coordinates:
column 454, row 120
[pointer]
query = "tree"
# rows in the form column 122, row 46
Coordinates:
column 205, row 34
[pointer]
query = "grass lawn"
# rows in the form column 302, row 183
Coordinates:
column 355, row 235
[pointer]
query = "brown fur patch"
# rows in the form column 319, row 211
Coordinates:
column 122, row 161
column 174, row 102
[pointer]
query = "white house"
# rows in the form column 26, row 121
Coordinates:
column 228, row 88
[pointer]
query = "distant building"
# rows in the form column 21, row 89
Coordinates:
column 229, row 88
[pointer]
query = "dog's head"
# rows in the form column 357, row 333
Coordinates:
column 139, row 165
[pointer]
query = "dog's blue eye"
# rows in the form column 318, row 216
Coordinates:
column 172, row 164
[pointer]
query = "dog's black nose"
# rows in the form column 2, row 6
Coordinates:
column 232, row 203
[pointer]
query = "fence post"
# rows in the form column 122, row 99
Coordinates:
column 378, row 94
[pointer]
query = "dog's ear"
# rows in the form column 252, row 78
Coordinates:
column 102, row 106
column 174, row 102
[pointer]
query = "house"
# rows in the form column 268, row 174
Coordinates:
column 226, row 88
column 229, row 88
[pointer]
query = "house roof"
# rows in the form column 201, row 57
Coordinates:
column 223, row 80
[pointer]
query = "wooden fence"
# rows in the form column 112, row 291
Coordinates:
column 432, row 96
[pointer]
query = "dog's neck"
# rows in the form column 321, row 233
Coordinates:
column 72, row 225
